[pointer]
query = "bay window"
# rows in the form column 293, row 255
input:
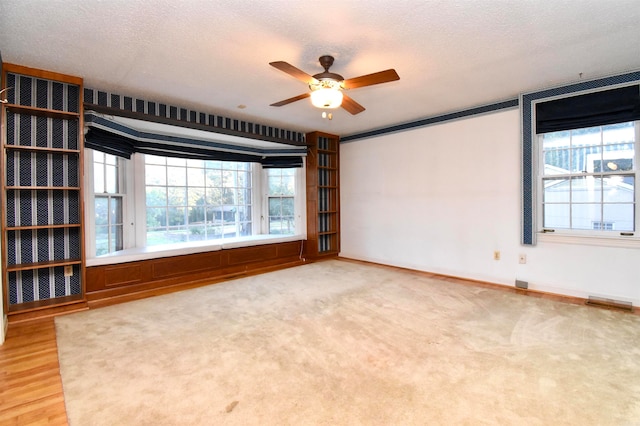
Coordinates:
column 175, row 193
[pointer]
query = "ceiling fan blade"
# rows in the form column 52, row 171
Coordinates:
column 350, row 105
column 292, row 71
column 290, row 100
column 371, row 79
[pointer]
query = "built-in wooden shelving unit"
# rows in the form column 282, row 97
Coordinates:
column 323, row 195
column 42, row 204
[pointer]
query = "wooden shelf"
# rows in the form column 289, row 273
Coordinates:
column 42, row 112
column 20, row 308
column 42, row 188
column 42, row 149
column 31, row 227
column 43, row 265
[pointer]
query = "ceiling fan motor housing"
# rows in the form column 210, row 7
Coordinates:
column 326, row 61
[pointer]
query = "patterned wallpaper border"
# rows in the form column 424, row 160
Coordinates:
column 215, row 122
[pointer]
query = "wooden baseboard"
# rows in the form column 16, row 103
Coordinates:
column 47, row 311
column 478, row 283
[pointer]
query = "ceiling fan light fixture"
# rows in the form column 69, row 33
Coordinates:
column 326, row 94
column 326, row 98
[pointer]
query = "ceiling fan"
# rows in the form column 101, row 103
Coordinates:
column 327, row 88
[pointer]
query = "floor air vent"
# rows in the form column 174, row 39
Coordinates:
column 609, row 303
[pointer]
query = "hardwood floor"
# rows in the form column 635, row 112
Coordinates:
column 30, row 383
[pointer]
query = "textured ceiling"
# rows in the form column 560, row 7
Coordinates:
column 213, row 55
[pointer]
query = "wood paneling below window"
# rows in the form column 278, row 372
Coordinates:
column 146, row 277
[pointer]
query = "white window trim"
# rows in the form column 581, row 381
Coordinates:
column 585, row 237
column 300, row 201
column 134, row 212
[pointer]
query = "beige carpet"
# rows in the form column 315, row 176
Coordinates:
column 341, row 343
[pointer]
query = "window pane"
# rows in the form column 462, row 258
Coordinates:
column 180, row 162
column 176, row 196
column 176, row 176
column 557, row 161
column 619, row 189
column 287, row 206
column 244, row 213
column 195, row 177
column 197, row 164
column 217, row 214
column 102, row 240
column 111, row 173
column 556, row 216
column 214, row 196
column 275, row 206
column 583, row 215
column 556, row 140
column 589, row 136
column 176, row 216
column 196, row 196
column 101, row 210
column 620, row 216
column 212, row 164
column 616, row 133
column 244, row 179
column 228, row 179
column 154, row 159
column 243, row 197
column 288, row 185
column 556, row 191
column 275, row 225
column 98, row 177
column 585, row 158
column 155, row 175
column 214, row 178
column 115, row 210
column 98, row 156
column 110, row 159
column 197, row 233
column 156, row 217
column 586, row 189
column 202, row 203
column 196, row 215
column 156, row 196
column 115, row 238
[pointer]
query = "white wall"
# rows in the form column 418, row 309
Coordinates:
column 443, row 198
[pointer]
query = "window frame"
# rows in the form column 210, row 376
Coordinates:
column 591, row 233
column 530, row 235
column 134, row 211
column 266, row 196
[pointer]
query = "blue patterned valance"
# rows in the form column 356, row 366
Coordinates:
column 124, row 136
column 214, row 123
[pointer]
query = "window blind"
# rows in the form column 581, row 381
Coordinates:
column 593, row 109
column 122, row 137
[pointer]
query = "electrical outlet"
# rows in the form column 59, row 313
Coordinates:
column 68, row 271
column 522, row 258
column 496, row 255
